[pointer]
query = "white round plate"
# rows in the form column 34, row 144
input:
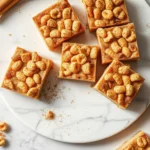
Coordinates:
column 82, row 114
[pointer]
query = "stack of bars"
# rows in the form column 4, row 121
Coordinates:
column 117, row 43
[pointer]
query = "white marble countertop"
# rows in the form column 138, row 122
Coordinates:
column 22, row 138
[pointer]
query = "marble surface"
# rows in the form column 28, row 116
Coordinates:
column 22, row 138
column 82, row 114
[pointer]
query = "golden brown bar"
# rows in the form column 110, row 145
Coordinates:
column 105, row 13
column 78, row 62
column 140, row 141
column 119, row 83
column 58, row 23
column 26, row 73
column 5, row 5
column 118, row 42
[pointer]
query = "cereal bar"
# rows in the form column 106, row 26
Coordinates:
column 105, row 13
column 26, row 73
column 140, row 141
column 118, row 42
column 119, row 83
column 78, row 62
column 58, row 23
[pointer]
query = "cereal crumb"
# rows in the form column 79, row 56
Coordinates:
column 10, row 34
column 72, row 101
column 49, row 115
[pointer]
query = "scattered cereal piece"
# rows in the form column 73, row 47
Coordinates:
column 2, row 141
column 3, row 126
column 49, row 115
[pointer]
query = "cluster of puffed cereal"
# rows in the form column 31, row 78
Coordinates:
column 120, row 39
column 102, row 12
column 124, row 87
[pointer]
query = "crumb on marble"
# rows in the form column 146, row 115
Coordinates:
column 49, row 115
column 72, row 101
column 18, row 10
column 3, row 126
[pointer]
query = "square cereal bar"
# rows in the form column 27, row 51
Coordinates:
column 58, row 23
column 119, row 83
column 26, row 73
column 140, row 141
column 106, row 13
column 118, row 42
column 78, row 62
column 5, row 5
